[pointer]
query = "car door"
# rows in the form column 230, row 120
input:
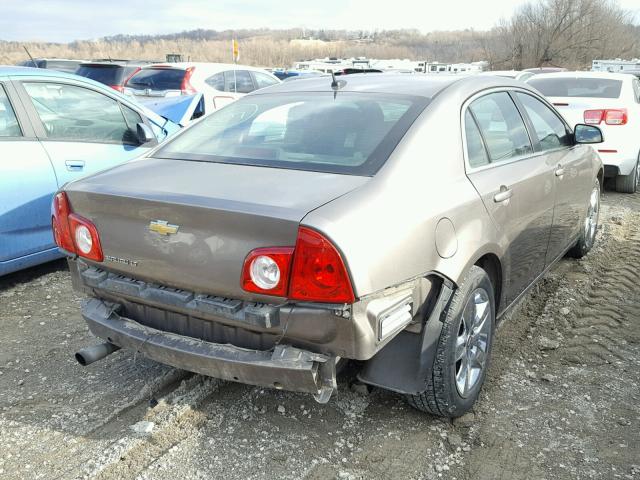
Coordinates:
column 27, row 184
column 516, row 185
column 572, row 171
column 82, row 129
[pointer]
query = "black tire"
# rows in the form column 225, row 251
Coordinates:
column 587, row 237
column 629, row 183
column 442, row 396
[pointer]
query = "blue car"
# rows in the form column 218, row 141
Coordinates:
column 54, row 128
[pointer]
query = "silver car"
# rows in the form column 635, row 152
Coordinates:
column 389, row 219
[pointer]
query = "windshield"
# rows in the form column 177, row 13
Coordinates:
column 157, row 79
column 107, row 74
column 352, row 133
column 577, row 87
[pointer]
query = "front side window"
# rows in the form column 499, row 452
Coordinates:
column 502, row 127
column 263, row 80
column 353, row 133
column 9, row 126
column 75, row 113
column 550, row 130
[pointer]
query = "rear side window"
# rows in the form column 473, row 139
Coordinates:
column 238, row 81
column 353, row 133
column 636, row 89
column 476, row 152
column 8, row 122
column 157, row 79
column 502, row 126
column 550, row 130
column 577, row 87
column 216, row 81
column 263, row 80
column 75, row 113
column 107, row 74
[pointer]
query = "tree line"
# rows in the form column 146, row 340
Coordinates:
column 568, row 33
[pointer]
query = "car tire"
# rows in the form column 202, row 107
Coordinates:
column 451, row 393
column 629, row 183
column 590, row 225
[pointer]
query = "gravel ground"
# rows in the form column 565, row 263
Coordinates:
column 562, row 399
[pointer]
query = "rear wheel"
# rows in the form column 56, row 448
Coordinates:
column 590, row 225
column 463, row 350
column 629, row 183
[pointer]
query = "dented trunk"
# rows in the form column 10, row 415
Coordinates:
column 191, row 224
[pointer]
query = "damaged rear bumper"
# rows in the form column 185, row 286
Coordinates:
column 283, row 367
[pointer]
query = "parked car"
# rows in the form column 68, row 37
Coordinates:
column 220, row 83
column 55, row 128
column 390, row 219
column 111, row 73
column 609, row 100
column 58, row 64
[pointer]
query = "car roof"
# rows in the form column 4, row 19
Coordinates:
column 204, row 65
column 8, row 70
column 612, row 76
column 423, row 85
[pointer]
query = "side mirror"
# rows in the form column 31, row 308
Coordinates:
column 145, row 134
column 587, row 134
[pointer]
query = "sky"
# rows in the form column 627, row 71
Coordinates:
column 68, row 20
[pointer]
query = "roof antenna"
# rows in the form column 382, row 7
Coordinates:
column 34, row 62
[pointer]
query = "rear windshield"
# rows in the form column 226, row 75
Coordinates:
column 107, row 74
column 157, row 79
column 351, row 133
column 577, row 87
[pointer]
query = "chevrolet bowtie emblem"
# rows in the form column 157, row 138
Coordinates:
column 163, row 228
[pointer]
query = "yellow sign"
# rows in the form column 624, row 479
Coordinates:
column 162, row 227
column 236, row 50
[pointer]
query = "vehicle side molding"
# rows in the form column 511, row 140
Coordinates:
column 403, row 365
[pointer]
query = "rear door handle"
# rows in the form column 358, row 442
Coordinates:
column 74, row 165
column 559, row 171
column 504, row 194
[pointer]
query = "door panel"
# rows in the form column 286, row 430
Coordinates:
column 570, row 165
column 516, row 186
column 85, row 131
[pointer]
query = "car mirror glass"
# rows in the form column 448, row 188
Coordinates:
column 587, row 134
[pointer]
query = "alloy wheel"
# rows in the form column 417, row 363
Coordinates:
column 472, row 342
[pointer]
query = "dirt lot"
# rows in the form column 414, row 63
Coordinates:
column 562, row 399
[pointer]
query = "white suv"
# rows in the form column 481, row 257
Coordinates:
column 220, row 83
column 610, row 101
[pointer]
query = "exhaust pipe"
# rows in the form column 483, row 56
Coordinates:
column 91, row 354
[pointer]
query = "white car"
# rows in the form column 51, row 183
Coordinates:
column 610, row 101
column 220, row 83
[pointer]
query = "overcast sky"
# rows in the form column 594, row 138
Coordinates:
column 67, row 20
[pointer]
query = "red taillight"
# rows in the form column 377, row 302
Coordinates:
column 318, row 273
column 185, row 86
column 593, row 117
column 74, row 233
column 118, row 88
column 610, row 116
column 615, row 117
column 60, row 222
column 312, row 272
column 256, row 276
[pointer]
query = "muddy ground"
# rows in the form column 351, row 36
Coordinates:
column 562, row 399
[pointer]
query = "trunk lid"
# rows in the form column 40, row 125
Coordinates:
column 221, row 212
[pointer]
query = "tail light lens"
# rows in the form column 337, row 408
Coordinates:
column 117, row 88
column 615, row 117
column 318, row 273
column 185, row 86
column 74, row 233
column 266, row 271
column 593, row 117
column 610, row 116
column 312, row 272
column 60, row 223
